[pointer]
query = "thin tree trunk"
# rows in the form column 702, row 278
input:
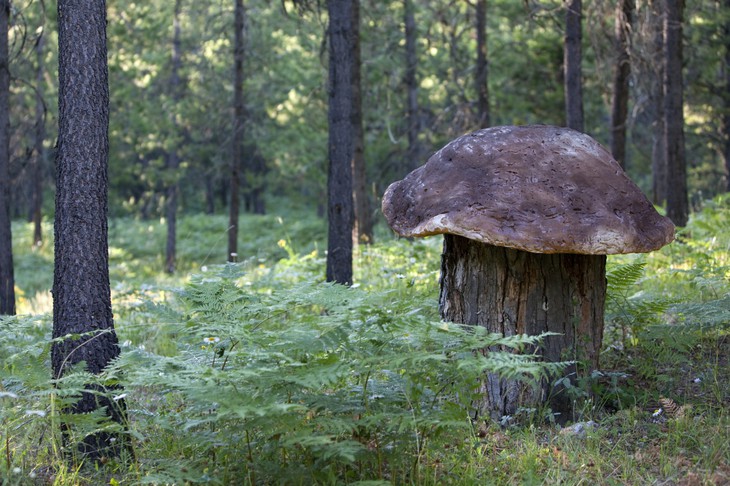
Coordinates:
column 238, row 127
column 726, row 117
column 572, row 60
column 40, row 153
column 482, row 68
column 81, row 291
column 339, row 178
column 513, row 292
column 7, row 280
column 677, row 203
column 173, row 161
column 413, row 119
column 363, row 230
column 621, row 73
column 658, row 152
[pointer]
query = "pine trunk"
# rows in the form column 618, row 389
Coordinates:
column 621, row 73
column 238, row 127
column 413, row 120
column 173, row 161
column 40, row 153
column 515, row 292
column 81, row 292
column 7, row 279
column 482, row 73
column 677, row 202
column 573, row 60
column 363, row 229
column 658, row 153
column 339, row 178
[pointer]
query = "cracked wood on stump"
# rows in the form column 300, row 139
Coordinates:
column 513, row 292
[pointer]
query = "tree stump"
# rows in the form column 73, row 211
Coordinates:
column 512, row 292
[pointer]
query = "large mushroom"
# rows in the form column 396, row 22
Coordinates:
column 528, row 216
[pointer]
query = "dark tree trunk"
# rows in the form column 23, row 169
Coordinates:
column 513, row 292
column 658, row 153
column 363, row 230
column 173, row 160
column 482, row 73
column 677, row 203
column 339, row 178
column 238, row 125
column 413, row 118
column 7, row 280
column 81, row 294
column 726, row 100
column 621, row 72
column 572, row 61
column 40, row 153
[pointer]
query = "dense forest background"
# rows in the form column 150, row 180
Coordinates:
column 165, row 105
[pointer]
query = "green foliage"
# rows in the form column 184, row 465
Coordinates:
column 308, row 382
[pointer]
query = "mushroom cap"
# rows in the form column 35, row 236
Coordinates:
column 541, row 189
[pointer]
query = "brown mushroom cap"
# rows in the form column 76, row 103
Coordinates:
column 539, row 188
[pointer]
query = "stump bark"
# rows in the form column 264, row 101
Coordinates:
column 512, row 292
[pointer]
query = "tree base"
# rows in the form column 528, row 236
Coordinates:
column 515, row 292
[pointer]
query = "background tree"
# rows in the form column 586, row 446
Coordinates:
column 677, row 203
column 621, row 74
column 339, row 177
column 481, row 73
column 173, row 158
column 7, row 280
column 363, row 227
column 40, row 136
column 238, row 128
column 573, row 62
column 81, row 292
column 413, row 116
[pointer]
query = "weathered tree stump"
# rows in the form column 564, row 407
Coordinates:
column 513, row 292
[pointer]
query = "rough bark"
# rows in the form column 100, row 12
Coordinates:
column 658, row 153
column 40, row 153
column 238, row 127
column 513, row 292
column 482, row 67
column 572, row 61
column 413, row 119
column 7, row 279
column 339, row 178
column 677, row 200
column 173, row 160
column 81, row 292
column 621, row 73
column 363, row 230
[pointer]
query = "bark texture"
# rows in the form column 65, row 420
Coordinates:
column 339, row 178
column 7, row 279
column 238, row 126
column 677, row 200
column 514, row 292
column 621, row 73
column 81, row 294
column 726, row 117
column 573, row 61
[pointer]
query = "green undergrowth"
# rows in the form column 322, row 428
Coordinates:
column 261, row 373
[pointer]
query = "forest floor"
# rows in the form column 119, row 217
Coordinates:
column 259, row 373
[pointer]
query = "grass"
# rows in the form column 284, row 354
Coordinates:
column 310, row 384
